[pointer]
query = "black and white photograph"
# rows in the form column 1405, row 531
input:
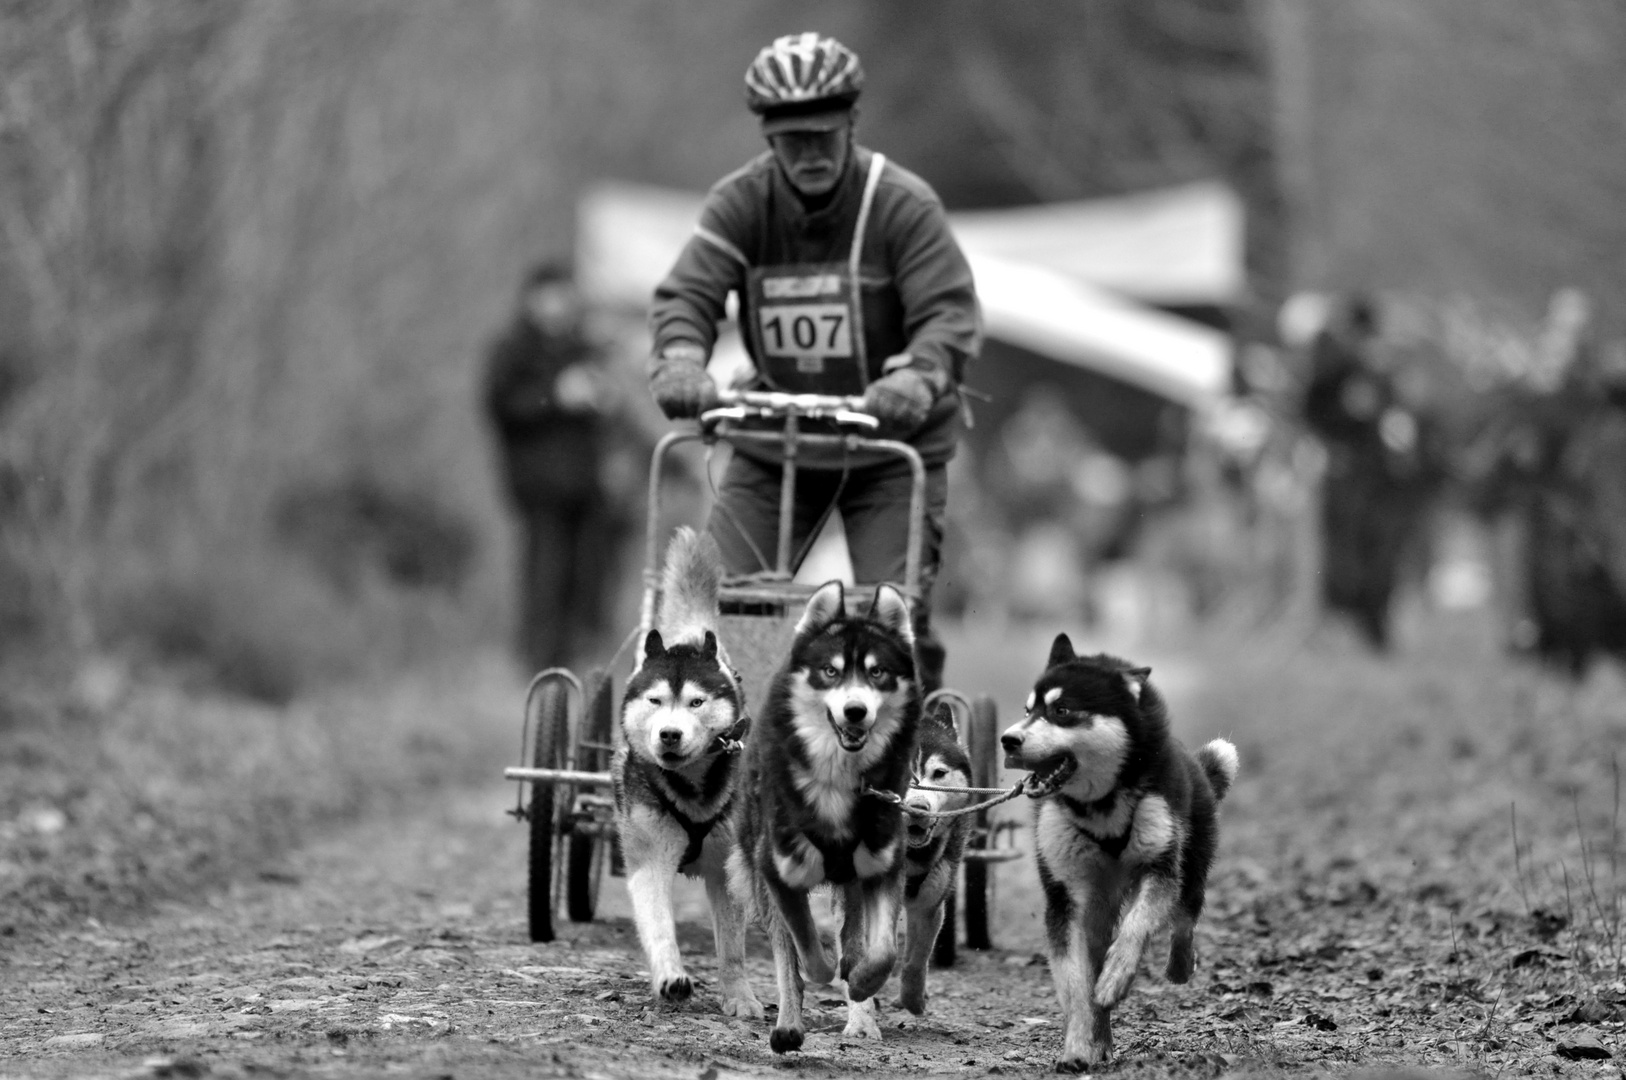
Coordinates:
column 723, row 539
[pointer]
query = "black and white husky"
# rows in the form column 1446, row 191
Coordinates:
column 839, row 723
column 676, row 775
column 933, row 851
column 1125, row 831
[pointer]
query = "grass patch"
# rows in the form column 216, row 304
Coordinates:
column 128, row 789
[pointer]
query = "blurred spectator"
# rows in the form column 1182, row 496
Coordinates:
column 1560, row 474
column 552, row 403
column 1376, row 486
column 1067, row 501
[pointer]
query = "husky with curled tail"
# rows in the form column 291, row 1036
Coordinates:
column 676, row 773
column 1124, row 832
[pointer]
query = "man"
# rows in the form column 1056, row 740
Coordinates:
column 547, row 397
column 821, row 234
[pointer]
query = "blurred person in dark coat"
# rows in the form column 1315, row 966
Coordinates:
column 1375, row 491
column 1563, row 469
column 551, row 403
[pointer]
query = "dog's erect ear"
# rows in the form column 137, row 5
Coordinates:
column 891, row 610
column 1061, row 651
column 1135, row 679
column 942, row 715
column 823, row 608
column 708, row 648
column 653, row 645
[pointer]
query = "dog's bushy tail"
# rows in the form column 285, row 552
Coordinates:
column 1219, row 761
column 689, row 586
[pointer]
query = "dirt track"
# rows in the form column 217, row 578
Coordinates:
column 402, row 945
column 1365, row 911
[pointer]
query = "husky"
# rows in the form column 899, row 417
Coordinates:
column 1124, row 830
column 833, row 742
column 676, row 775
column 934, row 848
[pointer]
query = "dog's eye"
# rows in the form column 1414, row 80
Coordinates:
column 653, row 700
column 939, row 774
column 876, row 674
column 830, row 671
column 1062, row 710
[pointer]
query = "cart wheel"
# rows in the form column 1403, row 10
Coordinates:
column 548, row 752
column 587, row 862
column 982, row 740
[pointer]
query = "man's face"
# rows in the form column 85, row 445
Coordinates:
column 813, row 160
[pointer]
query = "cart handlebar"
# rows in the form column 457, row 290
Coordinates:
column 773, row 404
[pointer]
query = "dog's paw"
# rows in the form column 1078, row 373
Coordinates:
column 869, row 976
column 740, row 1001
column 1117, row 974
column 861, row 1021
column 801, row 868
column 1081, row 1063
column 1181, row 961
column 912, row 994
column 675, row 988
column 784, row 1040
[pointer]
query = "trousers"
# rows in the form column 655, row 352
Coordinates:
column 874, row 506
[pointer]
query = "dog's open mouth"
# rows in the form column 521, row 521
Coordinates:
column 919, row 833
column 671, row 759
column 1049, row 776
column 852, row 739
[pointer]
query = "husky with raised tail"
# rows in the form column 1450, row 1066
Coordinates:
column 934, row 848
column 835, row 739
column 1124, row 830
column 676, row 774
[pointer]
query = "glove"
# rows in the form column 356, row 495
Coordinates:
column 900, row 400
column 680, row 384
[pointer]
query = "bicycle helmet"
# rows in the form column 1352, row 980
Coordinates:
column 803, row 82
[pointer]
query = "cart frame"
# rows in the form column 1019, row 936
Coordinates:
column 568, row 724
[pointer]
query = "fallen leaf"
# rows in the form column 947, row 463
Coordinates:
column 1582, row 1047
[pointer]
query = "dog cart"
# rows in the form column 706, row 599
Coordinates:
column 568, row 733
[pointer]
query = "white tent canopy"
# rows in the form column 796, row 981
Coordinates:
column 1174, row 246
column 1027, row 282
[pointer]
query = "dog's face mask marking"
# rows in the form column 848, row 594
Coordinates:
column 677, row 703
column 1075, row 734
column 935, row 770
column 856, row 671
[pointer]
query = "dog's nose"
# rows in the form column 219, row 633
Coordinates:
column 855, row 713
column 1011, row 741
column 918, row 802
column 671, row 736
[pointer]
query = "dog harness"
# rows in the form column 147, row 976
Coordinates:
column 1110, row 845
column 697, row 830
column 727, row 742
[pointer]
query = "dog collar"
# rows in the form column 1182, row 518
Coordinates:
column 731, row 741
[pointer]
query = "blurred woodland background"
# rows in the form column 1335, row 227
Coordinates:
column 250, row 252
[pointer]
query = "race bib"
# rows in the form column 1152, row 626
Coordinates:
column 806, row 330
